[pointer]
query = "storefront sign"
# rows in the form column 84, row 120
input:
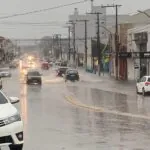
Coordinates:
column 141, row 54
column 125, row 54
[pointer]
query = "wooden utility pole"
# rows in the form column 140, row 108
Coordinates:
column 98, row 40
column 116, row 39
column 69, row 47
column 74, row 39
column 86, row 48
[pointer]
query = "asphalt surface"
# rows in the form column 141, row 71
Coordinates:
column 81, row 115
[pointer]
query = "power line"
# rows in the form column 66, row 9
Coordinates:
column 33, row 23
column 42, row 10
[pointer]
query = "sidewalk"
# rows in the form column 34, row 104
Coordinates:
column 108, row 83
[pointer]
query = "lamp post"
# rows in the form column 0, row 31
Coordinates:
column 143, row 12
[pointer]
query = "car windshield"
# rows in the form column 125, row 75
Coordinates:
column 72, row 71
column 4, row 69
column 63, row 69
column 148, row 79
column 35, row 73
column 3, row 100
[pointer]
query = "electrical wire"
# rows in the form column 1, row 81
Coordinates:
column 42, row 10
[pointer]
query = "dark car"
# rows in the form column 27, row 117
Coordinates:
column 61, row 71
column 72, row 75
column 33, row 77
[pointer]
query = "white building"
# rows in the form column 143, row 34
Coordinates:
column 138, row 41
column 91, row 29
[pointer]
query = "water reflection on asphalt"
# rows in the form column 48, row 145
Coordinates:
column 50, row 122
column 115, row 131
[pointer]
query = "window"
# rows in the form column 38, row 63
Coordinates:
column 3, row 100
column 143, row 79
column 148, row 79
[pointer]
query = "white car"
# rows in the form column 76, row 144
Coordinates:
column 11, row 125
column 143, row 85
column 5, row 72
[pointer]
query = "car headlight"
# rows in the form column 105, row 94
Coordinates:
column 12, row 119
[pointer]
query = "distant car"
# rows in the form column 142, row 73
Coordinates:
column 5, row 72
column 33, row 77
column 61, row 71
column 72, row 75
column 143, row 85
column 12, row 65
column 45, row 65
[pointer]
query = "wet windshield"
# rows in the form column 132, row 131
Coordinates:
column 72, row 71
column 33, row 73
column 4, row 69
column 3, row 100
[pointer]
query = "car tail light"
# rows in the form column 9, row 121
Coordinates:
column 147, row 83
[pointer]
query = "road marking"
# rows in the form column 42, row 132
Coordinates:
column 77, row 103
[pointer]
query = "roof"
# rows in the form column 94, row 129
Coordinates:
column 144, row 28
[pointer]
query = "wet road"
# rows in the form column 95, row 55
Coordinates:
column 77, row 116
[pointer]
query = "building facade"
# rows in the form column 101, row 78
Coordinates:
column 138, row 45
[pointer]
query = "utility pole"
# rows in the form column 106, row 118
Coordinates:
column 86, row 48
column 98, row 40
column 69, row 47
column 60, row 47
column 74, row 42
column 74, row 39
column 116, row 38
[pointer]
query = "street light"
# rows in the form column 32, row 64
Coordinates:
column 143, row 12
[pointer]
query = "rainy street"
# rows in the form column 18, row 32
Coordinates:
column 81, row 115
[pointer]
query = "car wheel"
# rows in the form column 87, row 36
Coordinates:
column 28, row 82
column 16, row 147
column 143, row 92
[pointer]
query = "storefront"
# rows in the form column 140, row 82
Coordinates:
column 138, row 45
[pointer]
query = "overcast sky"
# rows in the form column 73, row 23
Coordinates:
column 59, row 16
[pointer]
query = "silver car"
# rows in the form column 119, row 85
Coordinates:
column 5, row 72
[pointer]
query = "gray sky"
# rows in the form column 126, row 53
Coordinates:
column 60, row 15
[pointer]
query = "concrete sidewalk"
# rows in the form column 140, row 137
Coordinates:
column 108, row 83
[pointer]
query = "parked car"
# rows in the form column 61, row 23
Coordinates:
column 61, row 71
column 5, row 72
column 72, row 75
column 143, row 85
column 11, row 125
column 33, row 77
